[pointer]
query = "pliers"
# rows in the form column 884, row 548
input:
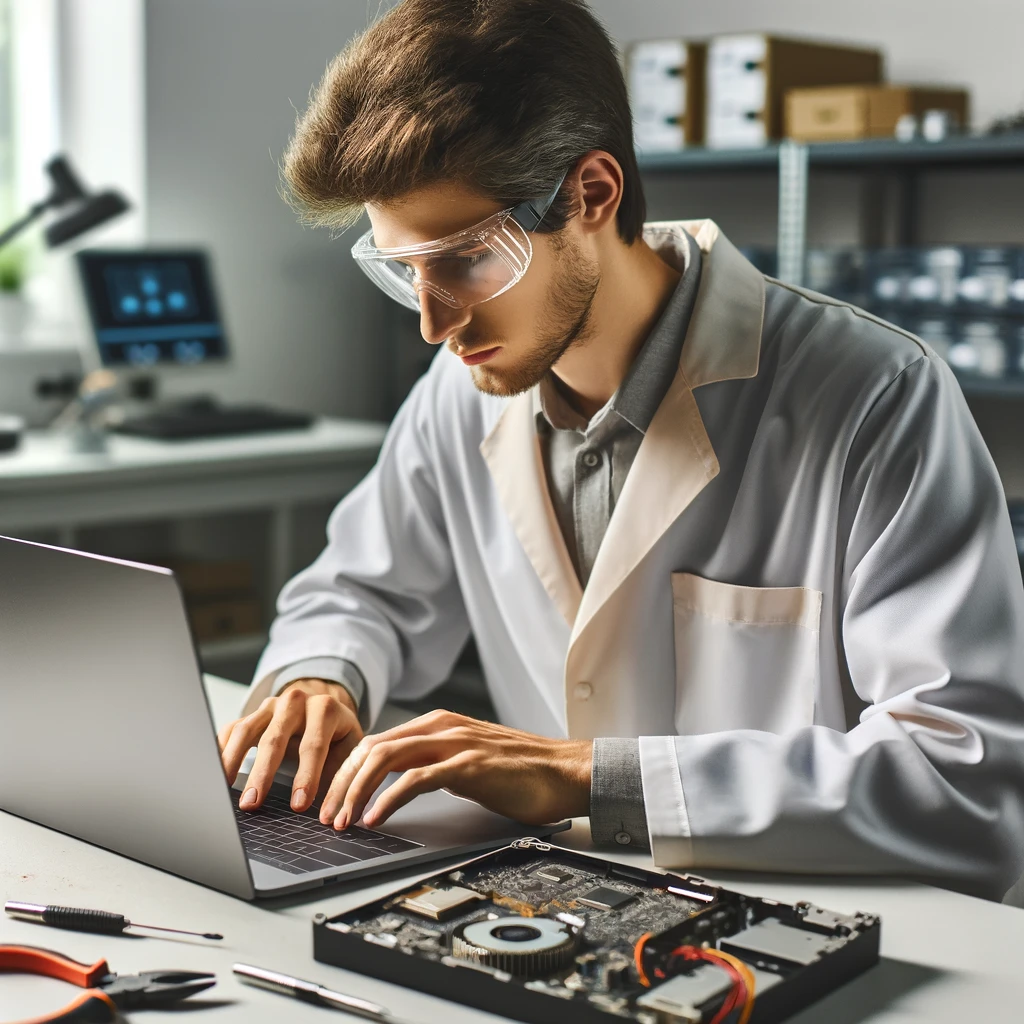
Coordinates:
column 107, row 993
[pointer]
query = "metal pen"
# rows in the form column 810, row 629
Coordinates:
column 311, row 992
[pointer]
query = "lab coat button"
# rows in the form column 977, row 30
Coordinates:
column 582, row 691
column 623, row 838
column 591, row 459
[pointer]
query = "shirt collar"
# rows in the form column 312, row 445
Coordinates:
column 648, row 379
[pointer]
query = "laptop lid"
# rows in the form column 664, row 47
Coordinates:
column 106, row 732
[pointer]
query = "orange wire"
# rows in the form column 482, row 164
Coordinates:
column 638, row 951
column 745, row 973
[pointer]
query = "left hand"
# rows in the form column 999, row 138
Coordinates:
column 533, row 779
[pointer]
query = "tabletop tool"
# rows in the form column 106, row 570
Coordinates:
column 106, row 993
column 76, row 919
column 311, row 992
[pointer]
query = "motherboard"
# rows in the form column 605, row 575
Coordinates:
column 536, row 932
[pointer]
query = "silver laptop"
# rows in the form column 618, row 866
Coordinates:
column 105, row 734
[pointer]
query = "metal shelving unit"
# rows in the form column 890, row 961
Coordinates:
column 880, row 159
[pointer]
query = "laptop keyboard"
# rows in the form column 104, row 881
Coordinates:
column 297, row 843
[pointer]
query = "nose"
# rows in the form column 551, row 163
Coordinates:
column 438, row 320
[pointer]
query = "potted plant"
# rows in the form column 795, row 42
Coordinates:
column 14, row 307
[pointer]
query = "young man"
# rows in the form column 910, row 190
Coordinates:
column 736, row 559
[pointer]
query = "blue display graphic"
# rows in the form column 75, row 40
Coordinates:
column 141, row 292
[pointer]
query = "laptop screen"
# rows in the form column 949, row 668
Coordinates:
column 152, row 306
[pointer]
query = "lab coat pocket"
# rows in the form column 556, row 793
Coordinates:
column 746, row 657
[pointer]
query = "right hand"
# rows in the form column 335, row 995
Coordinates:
column 312, row 718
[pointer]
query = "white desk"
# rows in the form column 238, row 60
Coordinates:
column 44, row 486
column 946, row 958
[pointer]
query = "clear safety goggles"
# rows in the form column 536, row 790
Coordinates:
column 462, row 269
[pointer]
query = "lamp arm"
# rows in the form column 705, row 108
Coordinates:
column 12, row 231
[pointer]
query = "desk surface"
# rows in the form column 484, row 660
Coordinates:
column 46, row 458
column 946, row 957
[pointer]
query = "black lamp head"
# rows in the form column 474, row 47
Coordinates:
column 89, row 211
column 88, row 214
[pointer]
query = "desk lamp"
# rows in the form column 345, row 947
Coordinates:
column 86, row 211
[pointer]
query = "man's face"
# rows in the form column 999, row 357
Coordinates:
column 512, row 341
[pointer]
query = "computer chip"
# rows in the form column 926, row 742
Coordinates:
column 549, row 874
column 439, row 904
column 605, row 898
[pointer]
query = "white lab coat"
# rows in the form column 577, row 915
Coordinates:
column 807, row 603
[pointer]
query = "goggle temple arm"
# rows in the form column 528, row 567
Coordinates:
column 529, row 214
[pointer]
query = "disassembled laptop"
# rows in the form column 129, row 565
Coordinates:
column 538, row 932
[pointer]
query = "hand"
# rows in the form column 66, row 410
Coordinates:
column 313, row 718
column 533, row 779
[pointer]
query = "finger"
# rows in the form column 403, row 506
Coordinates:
column 224, row 734
column 289, row 717
column 325, row 720
column 414, row 782
column 392, row 756
column 336, row 757
column 343, row 777
column 430, row 723
column 244, row 734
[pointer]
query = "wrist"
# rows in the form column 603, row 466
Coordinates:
column 579, row 767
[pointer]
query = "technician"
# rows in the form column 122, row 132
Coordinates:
column 736, row 559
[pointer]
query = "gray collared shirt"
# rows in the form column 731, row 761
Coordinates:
column 586, row 463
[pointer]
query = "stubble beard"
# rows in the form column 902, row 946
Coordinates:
column 567, row 324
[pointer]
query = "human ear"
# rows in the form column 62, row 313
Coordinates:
column 599, row 189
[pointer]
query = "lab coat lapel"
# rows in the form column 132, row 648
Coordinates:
column 676, row 461
column 512, row 453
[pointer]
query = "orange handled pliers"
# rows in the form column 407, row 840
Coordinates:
column 106, row 993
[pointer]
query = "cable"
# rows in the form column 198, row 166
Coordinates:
column 638, row 957
column 745, row 973
column 743, row 983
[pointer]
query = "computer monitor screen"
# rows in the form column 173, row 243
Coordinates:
column 152, row 306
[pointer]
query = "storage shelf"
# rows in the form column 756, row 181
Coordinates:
column 969, row 150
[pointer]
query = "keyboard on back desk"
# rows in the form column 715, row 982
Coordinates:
column 297, row 843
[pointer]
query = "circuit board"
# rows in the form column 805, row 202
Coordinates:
column 536, row 932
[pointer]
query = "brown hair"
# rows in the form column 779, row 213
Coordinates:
column 503, row 96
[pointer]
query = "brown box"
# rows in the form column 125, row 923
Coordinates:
column 750, row 74
column 862, row 112
column 216, row 620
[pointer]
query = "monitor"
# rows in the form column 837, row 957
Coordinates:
column 152, row 306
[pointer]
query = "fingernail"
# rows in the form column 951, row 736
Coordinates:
column 341, row 821
column 325, row 817
column 298, row 800
column 249, row 798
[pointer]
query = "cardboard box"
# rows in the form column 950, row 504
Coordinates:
column 666, row 79
column 862, row 112
column 215, row 620
column 749, row 76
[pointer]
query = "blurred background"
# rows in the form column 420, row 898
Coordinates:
column 874, row 151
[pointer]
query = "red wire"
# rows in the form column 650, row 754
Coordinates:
column 736, row 997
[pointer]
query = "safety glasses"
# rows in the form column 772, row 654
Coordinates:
column 462, row 269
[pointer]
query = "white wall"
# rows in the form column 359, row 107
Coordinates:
column 223, row 81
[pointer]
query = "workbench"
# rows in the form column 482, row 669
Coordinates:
column 946, row 958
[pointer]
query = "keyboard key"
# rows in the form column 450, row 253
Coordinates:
column 335, row 858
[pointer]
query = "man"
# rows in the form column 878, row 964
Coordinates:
column 735, row 557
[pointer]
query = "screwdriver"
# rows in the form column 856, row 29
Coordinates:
column 102, row 922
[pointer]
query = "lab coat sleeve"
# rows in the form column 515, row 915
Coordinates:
column 383, row 595
column 929, row 782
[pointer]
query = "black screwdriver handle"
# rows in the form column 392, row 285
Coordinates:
column 102, row 922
